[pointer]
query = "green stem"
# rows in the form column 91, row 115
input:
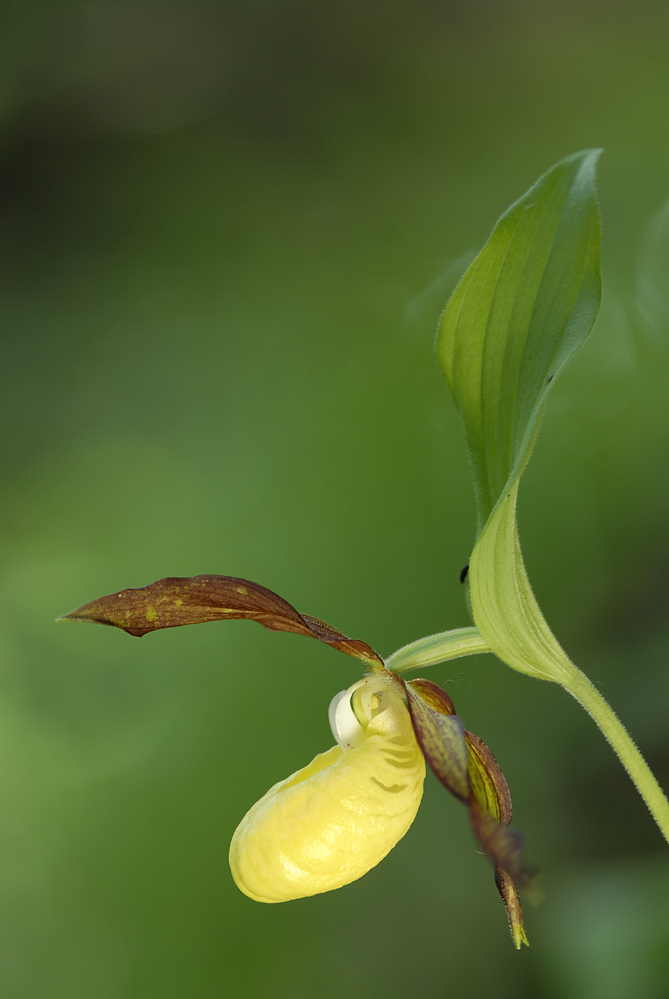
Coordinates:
column 617, row 735
column 436, row 649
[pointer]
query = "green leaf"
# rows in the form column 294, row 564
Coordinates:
column 521, row 310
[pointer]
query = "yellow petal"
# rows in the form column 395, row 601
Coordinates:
column 329, row 823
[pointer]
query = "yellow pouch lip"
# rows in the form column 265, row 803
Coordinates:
column 329, row 823
column 320, row 762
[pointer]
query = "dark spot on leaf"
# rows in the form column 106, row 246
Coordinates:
column 464, row 572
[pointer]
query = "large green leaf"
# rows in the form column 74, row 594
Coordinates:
column 521, row 310
column 525, row 305
column 527, row 302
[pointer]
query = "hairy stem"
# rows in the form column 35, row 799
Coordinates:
column 617, row 735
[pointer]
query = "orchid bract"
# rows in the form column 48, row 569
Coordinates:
column 517, row 316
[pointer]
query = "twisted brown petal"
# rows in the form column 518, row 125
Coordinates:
column 467, row 768
column 441, row 736
column 488, row 783
column 176, row 601
column 509, row 892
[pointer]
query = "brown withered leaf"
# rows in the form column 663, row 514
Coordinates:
column 177, row 601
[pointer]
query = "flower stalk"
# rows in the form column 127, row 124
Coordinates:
column 439, row 648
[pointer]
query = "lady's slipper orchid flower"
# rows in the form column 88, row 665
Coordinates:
column 332, row 821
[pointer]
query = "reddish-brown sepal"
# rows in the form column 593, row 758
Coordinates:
column 177, row 601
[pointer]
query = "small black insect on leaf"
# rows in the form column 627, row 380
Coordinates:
column 464, row 572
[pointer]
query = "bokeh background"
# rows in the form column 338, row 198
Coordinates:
column 227, row 231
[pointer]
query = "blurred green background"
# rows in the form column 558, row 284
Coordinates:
column 227, row 231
